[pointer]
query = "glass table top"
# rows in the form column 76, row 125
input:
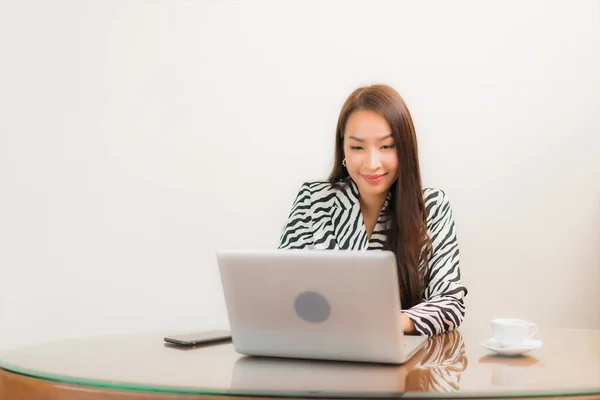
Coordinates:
column 450, row 365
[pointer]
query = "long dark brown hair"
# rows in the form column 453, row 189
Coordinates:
column 407, row 235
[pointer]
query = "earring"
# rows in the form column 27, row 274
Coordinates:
column 344, row 162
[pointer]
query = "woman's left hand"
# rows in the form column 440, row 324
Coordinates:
column 407, row 324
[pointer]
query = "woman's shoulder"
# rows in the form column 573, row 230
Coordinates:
column 318, row 188
column 318, row 184
column 432, row 194
column 436, row 200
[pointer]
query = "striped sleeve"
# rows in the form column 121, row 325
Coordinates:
column 297, row 232
column 443, row 308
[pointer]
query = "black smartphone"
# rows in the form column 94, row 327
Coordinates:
column 197, row 338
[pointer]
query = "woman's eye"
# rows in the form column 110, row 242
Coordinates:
column 355, row 147
column 391, row 146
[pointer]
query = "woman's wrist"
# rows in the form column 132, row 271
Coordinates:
column 407, row 325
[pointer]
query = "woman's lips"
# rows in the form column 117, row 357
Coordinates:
column 373, row 178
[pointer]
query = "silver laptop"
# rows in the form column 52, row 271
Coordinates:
column 315, row 304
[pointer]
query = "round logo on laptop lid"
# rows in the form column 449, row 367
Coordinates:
column 312, row 307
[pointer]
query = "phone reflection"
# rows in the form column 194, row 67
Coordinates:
column 436, row 367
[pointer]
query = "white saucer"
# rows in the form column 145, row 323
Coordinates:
column 515, row 350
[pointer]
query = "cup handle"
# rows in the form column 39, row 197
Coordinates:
column 534, row 331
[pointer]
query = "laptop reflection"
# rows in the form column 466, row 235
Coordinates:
column 437, row 367
column 275, row 375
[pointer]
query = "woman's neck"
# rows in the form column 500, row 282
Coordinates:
column 370, row 207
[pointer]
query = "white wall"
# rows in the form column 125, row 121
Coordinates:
column 136, row 137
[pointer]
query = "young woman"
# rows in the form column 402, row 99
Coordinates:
column 374, row 200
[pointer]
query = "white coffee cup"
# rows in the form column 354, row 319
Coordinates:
column 510, row 331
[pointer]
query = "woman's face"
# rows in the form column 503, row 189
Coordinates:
column 370, row 153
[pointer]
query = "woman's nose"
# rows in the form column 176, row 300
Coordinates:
column 374, row 160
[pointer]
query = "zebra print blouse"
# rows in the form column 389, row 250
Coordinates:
column 327, row 218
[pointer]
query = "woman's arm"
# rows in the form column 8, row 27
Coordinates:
column 297, row 233
column 407, row 324
column 443, row 309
